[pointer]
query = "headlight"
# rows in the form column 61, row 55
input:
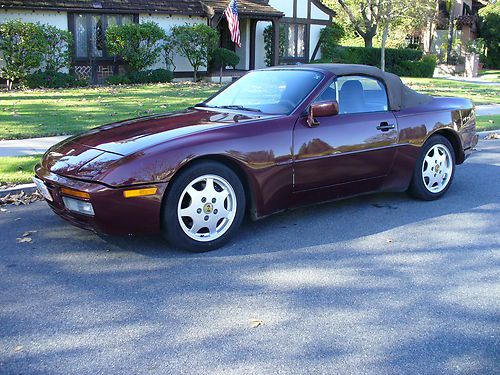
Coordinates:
column 76, row 205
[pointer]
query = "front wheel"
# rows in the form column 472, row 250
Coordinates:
column 434, row 170
column 204, row 207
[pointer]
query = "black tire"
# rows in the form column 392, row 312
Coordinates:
column 418, row 187
column 171, row 228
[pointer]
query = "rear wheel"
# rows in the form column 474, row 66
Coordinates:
column 434, row 170
column 204, row 207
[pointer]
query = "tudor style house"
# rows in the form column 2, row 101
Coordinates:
column 88, row 20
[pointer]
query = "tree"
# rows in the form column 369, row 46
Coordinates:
column 490, row 32
column 58, row 50
column 451, row 24
column 169, row 48
column 363, row 15
column 23, row 45
column 137, row 44
column 329, row 38
column 223, row 57
column 195, row 42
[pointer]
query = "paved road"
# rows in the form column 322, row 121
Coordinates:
column 381, row 284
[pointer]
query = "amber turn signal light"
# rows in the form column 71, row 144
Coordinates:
column 140, row 192
column 75, row 193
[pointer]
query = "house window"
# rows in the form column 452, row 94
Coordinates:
column 90, row 33
column 295, row 40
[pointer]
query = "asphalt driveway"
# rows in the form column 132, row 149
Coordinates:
column 380, row 284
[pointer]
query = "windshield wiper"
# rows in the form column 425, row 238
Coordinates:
column 243, row 108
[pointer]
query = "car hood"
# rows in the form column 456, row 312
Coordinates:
column 88, row 154
column 130, row 136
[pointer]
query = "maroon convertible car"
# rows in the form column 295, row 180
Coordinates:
column 277, row 138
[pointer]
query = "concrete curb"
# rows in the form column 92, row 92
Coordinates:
column 27, row 188
column 31, row 188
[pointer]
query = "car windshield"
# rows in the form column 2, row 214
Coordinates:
column 268, row 91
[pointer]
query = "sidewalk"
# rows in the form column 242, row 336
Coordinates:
column 30, row 146
column 40, row 145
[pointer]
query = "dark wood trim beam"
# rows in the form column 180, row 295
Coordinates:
column 306, row 21
column 276, row 41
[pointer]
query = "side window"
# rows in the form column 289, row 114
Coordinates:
column 329, row 94
column 359, row 94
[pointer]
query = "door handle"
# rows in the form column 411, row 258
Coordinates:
column 385, row 126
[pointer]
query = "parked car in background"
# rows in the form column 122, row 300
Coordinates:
column 277, row 138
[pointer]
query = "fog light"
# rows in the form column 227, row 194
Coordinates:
column 76, row 205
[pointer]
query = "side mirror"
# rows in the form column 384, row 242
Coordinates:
column 321, row 109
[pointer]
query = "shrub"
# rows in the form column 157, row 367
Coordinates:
column 195, row 42
column 222, row 57
column 144, row 76
column 51, row 80
column 423, row 68
column 137, row 44
column 23, row 45
column 268, row 43
column 371, row 55
column 490, row 32
column 151, row 76
column 57, row 54
column 118, row 80
column 329, row 38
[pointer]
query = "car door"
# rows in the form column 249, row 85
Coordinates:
column 354, row 146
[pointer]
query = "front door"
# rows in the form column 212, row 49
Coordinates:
column 225, row 35
column 355, row 146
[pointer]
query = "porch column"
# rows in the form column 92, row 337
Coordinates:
column 276, row 41
column 253, row 33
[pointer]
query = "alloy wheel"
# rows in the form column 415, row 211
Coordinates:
column 437, row 168
column 207, row 208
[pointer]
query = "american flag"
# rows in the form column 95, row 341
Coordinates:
column 231, row 14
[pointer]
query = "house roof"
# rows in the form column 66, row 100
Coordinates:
column 189, row 7
column 245, row 7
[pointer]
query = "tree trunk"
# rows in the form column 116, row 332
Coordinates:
column 368, row 40
column 9, row 84
column 195, row 77
column 384, row 41
column 431, row 37
column 220, row 77
column 450, row 32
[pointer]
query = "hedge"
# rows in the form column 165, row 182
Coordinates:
column 144, row 76
column 409, row 61
column 51, row 80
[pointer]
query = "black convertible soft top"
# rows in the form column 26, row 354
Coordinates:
column 400, row 95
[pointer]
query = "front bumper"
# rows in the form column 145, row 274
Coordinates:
column 113, row 213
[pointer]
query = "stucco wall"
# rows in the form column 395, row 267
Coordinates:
column 57, row 19
column 318, row 14
column 166, row 22
column 313, row 40
column 285, row 6
column 244, row 51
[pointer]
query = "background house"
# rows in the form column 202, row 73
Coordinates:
column 88, row 20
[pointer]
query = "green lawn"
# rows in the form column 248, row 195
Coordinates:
column 480, row 94
column 17, row 169
column 490, row 75
column 488, row 123
column 38, row 113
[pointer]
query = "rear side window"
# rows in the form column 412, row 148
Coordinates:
column 357, row 94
